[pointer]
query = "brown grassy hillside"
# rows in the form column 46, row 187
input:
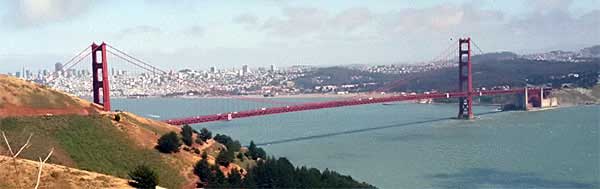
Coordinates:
column 22, row 98
column 84, row 137
column 53, row 176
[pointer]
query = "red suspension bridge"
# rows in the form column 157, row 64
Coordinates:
column 465, row 92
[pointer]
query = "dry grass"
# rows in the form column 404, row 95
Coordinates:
column 53, row 176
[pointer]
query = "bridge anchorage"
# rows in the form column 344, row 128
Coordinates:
column 531, row 97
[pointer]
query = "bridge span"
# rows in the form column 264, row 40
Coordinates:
column 339, row 103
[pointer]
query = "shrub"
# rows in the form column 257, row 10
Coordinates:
column 117, row 117
column 144, row 177
column 169, row 143
column 255, row 152
column 186, row 133
column 202, row 170
column 240, row 156
column 231, row 145
column 204, row 135
column 225, row 157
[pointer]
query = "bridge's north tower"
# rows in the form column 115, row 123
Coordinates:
column 100, row 76
column 465, row 79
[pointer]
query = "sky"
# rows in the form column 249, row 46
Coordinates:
column 198, row 34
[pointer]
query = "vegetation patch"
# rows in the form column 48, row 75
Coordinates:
column 90, row 143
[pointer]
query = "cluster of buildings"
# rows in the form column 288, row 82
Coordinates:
column 408, row 68
column 187, row 82
column 583, row 55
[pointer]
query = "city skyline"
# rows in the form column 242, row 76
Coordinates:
column 199, row 35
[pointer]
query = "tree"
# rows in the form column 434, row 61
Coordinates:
column 260, row 153
column 168, row 143
column 255, row 152
column 186, row 133
column 240, row 156
column 144, row 177
column 225, row 157
column 202, row 170
column 235, row 179
column 205, row 134
column 117, row 117
column 220, row 180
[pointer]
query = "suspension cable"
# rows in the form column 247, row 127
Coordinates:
column 138, row 60
column 477, row 46
column 78, row 55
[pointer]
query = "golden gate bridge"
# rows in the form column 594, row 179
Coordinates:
column 465, row 92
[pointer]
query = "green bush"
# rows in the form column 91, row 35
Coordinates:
column 186, row 135
column 144, row 177
column 255, row 152
column 225, row 157
column 204, row 135
column 202, row 170
column 169, row 143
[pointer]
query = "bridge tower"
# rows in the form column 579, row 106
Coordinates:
column 465, row 79
column 100, row 75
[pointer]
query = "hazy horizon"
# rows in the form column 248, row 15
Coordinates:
column 200, row 34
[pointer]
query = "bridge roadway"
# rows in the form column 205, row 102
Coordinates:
column 336, row 103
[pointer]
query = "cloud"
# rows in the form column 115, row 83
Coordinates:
column 195, row 31
column 246, row 18
column 297, row 21
column 353, row 18
column 27, row 13
column 139, row 30
column 550, row 5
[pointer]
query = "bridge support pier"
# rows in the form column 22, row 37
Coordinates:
column 100, row 80
column 465, row 79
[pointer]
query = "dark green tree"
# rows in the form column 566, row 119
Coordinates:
column 202, row 170
column 204, row 134
column 225, row 157
column 235, row 179
column 220, row 180
column 186, row 133
column 169, row 143
column 144, row 177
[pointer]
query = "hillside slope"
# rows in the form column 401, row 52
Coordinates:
column 53, row 176
column 19, row 98
column 85, row 137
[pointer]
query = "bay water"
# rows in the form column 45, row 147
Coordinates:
column 409, row 145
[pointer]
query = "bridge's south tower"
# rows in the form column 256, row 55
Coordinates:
column 100, row 76
column 465, row 79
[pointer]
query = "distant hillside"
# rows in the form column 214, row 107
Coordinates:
column 496, row 70
column 340, row 76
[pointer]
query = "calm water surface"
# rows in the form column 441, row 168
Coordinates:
column 413, row 145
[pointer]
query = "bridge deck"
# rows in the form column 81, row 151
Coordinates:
column 334, row 104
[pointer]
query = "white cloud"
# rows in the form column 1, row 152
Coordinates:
column 195, row 31
column 139, row 30
column 26, row 13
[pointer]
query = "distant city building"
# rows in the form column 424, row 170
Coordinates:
column 245, row 69
column 58, row 67
column 272, row 68
column 213, row 69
